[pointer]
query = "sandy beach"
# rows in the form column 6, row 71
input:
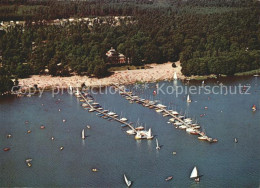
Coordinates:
column 156, row 72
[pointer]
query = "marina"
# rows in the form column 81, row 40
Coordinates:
column 95, row 107
column 179, row 122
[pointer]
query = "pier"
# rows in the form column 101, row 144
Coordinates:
column 163, row 109
column 102, row 112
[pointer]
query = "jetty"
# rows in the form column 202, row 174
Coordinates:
column 104, row 112
column 181, row 123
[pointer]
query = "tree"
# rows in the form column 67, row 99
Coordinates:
column 6, row 84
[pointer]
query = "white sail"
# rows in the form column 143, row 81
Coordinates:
column 157, row 144
column 188, row 98
column 149, row 134
column 194, row 173
column 70, row 88
column 83, row 134
column 77, row 91
column 175, row 76
column 128, row 183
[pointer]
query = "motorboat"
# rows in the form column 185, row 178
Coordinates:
column 168, row 178
column 172, row 120
column 131, row 132
column 111, row 113
column 203, row 138
column 192, row 131
column 160, row 106
column 165, row 114
column 175, row 113
column 159, row 110
column 187, row 120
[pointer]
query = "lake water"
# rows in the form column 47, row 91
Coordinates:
column 109, row 149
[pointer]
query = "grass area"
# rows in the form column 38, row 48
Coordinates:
column 202, row 77
column 248, row 73
column 126, row 67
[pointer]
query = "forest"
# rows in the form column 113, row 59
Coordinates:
column 207, row 36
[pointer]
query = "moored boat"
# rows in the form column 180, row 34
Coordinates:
column 203, row 138
column 182, row 127
column 131, row 132
column 192, row 131
column 139, row 128
column 178, row 124
column 123, row 119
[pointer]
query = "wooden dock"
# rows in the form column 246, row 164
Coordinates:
column 105, row 114
column 141, row 101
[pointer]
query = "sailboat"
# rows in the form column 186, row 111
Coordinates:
column 157, row 145
column 149, row 134
column 194, row 174
column 71, row 89
column 83, row 134
column 77, row 94
column 128, row 183
column 188, row 98
column 175, row 76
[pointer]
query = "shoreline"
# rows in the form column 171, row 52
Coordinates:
column 156, row 72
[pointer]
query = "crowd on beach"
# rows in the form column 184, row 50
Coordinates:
column 156, row 72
